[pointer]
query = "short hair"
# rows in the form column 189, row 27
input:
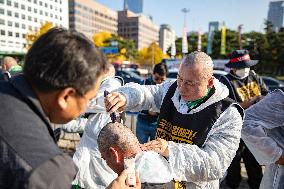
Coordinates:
column 160, row 69
column 118, row 135
column 63, row 58
column 199, row 58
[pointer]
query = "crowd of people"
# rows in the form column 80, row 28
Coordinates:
column 191, row 132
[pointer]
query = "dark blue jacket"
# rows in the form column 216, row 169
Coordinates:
column 29, row 156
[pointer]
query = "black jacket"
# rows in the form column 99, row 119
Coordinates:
column 29, row 156
column 244, row 89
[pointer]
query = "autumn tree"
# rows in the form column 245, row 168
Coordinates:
column 32, row 36
column 126, row 47
column 150, row 55
column 100, row 38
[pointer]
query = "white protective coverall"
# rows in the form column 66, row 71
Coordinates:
column 263, row 133
column 199, row 167
column 93, row 171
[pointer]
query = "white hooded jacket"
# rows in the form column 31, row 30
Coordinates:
column 199, row 167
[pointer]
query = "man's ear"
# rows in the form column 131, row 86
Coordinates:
column 64, row 96
column 4, row 67
column 210, row 82
column 114, row 154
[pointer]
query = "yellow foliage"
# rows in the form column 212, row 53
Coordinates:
column 179, row 56
column 123, row 51
column 166, row 56
column 151, row 55
column 32, row 36
column 117, row 57
column 99, row 38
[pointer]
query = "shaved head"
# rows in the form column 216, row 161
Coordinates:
column 198, row 59
column 117, row 142
column 8, row 62
column 119, row 136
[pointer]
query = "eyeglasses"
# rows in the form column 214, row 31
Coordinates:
column 187, row 83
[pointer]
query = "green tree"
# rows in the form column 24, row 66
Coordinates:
column 126, row 47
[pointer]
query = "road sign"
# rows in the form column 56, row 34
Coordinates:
column 109, row 50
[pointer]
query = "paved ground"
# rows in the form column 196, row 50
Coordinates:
column 69, row 141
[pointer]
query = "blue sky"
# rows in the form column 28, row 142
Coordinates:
column 250, row 13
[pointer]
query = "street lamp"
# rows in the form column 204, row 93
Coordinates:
column 184, row 36
column 240, row 35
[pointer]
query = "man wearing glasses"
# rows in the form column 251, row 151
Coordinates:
column 198, row 129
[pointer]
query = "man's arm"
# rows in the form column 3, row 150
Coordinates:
column 135, row 97
column 265, row 116
column 57, row 172
column 263, row 147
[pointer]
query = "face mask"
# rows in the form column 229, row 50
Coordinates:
column 242, row 73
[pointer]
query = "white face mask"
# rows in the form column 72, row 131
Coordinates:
column 242, row 73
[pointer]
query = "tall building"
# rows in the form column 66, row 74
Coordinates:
column 89, row 17
column 18, row 17
column 139, row 28
column 276, row 14
column 166, row 36
column 135, row 6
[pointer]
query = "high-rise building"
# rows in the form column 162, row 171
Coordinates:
column 135, row 6
column 276, row 14
column 89, row 17
column 18, row 17
column 139, row 28
column 166, row 36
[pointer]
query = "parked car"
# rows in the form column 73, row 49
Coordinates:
column 218, row 73
column 273, row 83
column 129, row 76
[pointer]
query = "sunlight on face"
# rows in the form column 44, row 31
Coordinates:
column 192, row 82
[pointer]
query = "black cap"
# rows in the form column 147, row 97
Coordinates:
column 240, row 59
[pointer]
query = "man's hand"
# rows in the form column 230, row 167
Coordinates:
column 280, row 161
column 120, row 182
column 159, row 145
column 115, row 101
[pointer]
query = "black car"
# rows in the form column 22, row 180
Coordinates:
column 273, row 83
column 129, row 76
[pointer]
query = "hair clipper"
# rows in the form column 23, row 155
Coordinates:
column 114, row 116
